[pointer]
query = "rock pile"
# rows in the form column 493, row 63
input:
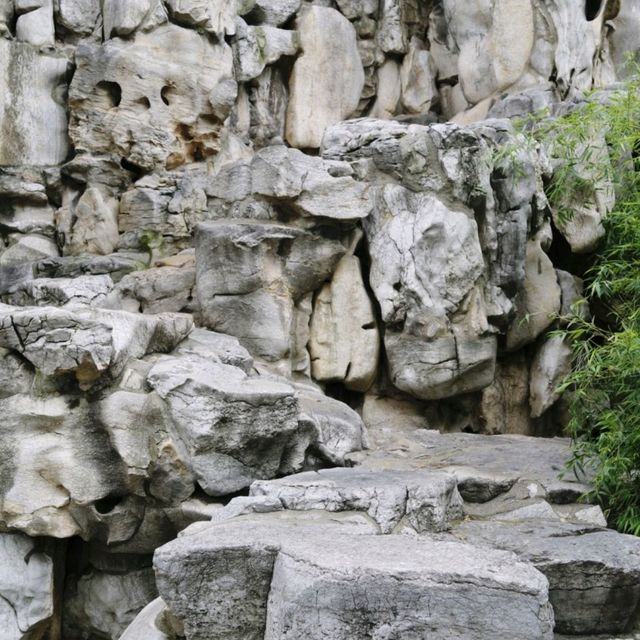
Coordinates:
column 269, row 278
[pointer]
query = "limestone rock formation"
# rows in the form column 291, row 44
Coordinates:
column 246, row 245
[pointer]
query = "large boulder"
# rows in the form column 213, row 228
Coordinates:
column 594, row 575
column 289, row 578
column 327, row 79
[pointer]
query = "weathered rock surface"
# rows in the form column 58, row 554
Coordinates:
column 184, row 91
column 171, row 164
column 32, row 111
column 594, row 575
column 327, row 79
column 423, row 501
column 26, row 587
column 292, row 577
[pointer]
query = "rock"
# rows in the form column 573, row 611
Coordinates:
column 422, row 501
column 538, row 302
column 26, row 587
column 35, row 22
column 122, row 18
column 220, row 414
column 218, row 346
column 310, row 186
column 550, row 367
column 388, row 92
column 150, row 623
column 418, row 89
column 392, row 34
column 28, row 248
column 344, row 341
column 158, row 289
column 275, row 12
column 594, row 576
column 59, row 463
column 275, row 568
column 95, row 229
column 215, row 16
column 106, row 604
column 504, row 407
column 257, row 47
column 176, row 109
column 92, row 291
column 412, row 238
column 115, row 265
column 327, row 79
column 486, row 466
column 336, row 430
column 579, row 211
column 572, row 294
column 249, row 274
column 86, row 342
column 31, row 110
column 624, row 38
column 79, row 17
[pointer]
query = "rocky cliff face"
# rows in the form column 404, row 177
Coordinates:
column 244, row 239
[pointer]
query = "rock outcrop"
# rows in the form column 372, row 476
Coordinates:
column 279, row 281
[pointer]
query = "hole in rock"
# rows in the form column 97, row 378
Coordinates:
column 108, row 504
column 109, row 93
column 592, row 8
column 132, row 168
column 167, row 93
column 143, row 102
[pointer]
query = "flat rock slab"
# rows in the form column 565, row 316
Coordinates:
column 261, row 578
column 422, row 500
column 594, row 574
column 486, row 466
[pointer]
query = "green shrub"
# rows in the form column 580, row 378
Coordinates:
column 605, row 384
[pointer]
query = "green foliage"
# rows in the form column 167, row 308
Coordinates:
column 605, row 384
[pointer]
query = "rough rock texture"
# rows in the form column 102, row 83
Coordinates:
column 282, row 571
column 244, row 239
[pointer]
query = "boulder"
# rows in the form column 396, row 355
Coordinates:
column 235, row 428
column 331, row 579
column 87, row 342
column 327, row 79
column 344, row 340
column 250, row 274
column 26, row 587
column 594, row 575
column 105, row 604
column 34, row 118
column 395, row 500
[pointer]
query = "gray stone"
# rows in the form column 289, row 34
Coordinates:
column 153, row 109
column 275, row 12
column 550, row 367
column 91, row 291
column 221, row 414
column 26, row 587
column 395, row 500
column 86, row 342
column 594, row 575
column 344, row 339
column 412, row 239
column 301, row 573
column 249, row 274
column 106, row 604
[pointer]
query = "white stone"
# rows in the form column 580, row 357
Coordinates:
column 327, row 79
column 344, row 342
